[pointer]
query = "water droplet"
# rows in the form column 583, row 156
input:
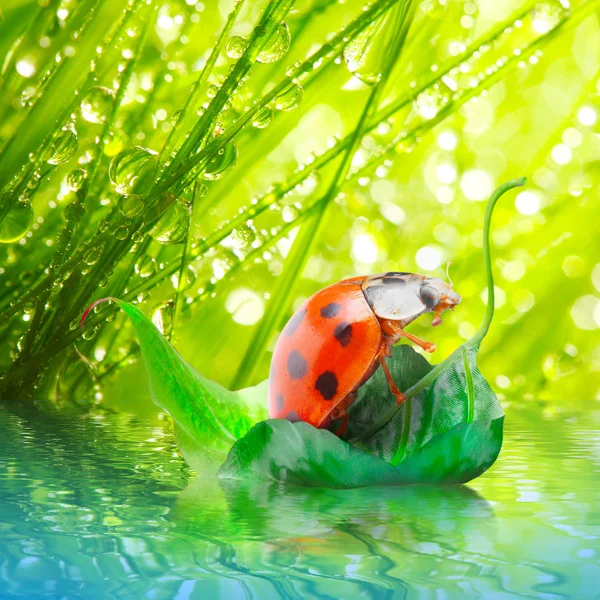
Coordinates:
column 243, row 236
column 172, row 226
column 289, row 213
column 289, row 98
column 545, row 16
column 76, row 178
column 236, row 46
column 162, row 316
column 176, row 116
column 90, row 332
column 224, row 263
column 121, row 232
column 429, row 102
column 212, row 91
column 92, row 256
column 146, row 266
column 64, row 146
column 131, row 206
column 16, row 223
column 276, row 46
column 132, row 170
column 189, row 278
column 366, row 53
column 222, row 162
column 262, row 118
column 97, row 104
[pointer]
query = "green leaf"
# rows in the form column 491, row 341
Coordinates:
column 449, row 430
column 208, row 418
column 459, row 394
column 300, row 454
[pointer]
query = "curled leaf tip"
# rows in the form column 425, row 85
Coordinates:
column 86, row 312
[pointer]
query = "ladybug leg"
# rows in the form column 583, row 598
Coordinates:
column 400, row 397
column 342, row 428
column 427, row 346
column 392, row 329
column 339, row 412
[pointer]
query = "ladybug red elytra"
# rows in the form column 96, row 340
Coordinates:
column 336, row 340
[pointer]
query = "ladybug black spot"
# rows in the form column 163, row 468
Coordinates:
column 279, row 402
column 296, row 365
column 331, row 310
column 294, row 322
column 327, row 384
column 293, row 416
column 343, row 333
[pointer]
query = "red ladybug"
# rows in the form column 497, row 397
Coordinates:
column 336, row 340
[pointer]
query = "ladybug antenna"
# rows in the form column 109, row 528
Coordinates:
column 448, row 273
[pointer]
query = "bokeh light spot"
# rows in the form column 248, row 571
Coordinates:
column 428, row 258
column 527, row 202
column 586, row 312
column 476, row 185
column 364, row 248
column 245, row 306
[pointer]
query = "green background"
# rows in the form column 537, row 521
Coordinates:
column 96, row 501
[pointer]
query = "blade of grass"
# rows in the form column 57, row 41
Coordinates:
column 296, row 261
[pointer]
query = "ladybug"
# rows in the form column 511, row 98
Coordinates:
column 336, row 340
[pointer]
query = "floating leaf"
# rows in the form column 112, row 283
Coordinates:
column 448, row 431
column 301, row 454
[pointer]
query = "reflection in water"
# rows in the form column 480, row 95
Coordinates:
column 106, row 508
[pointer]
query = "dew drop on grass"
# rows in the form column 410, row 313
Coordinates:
column 146, row 266
column 545, row 16
column 189, row 278
column 262, row 118
column 132, row 170
column 236, row 46
column 97, row 104
column 243, row 236
column 92, row 256
column 289, row 98
column 172, row 227
column 290, row 213
column 162, row 316
column 75, row 179
column 429, row 102
column 16, row 222
column 176, row 116
column 64, row 146
column 276, row 46
column 131, row 206
column 121, row 232
column 222, row 162
column 366, row 53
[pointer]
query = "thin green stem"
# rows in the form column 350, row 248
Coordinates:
column 474, row 341
column 469, row 380
column 193, row 102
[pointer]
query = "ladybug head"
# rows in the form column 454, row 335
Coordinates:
column 438, row 296
column 401, row 296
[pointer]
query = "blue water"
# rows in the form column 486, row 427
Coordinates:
column 104, row 507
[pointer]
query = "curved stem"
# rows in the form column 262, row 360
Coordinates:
column 487, row 259
column 479, row 335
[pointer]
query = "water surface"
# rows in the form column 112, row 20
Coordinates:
column 104, row 507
